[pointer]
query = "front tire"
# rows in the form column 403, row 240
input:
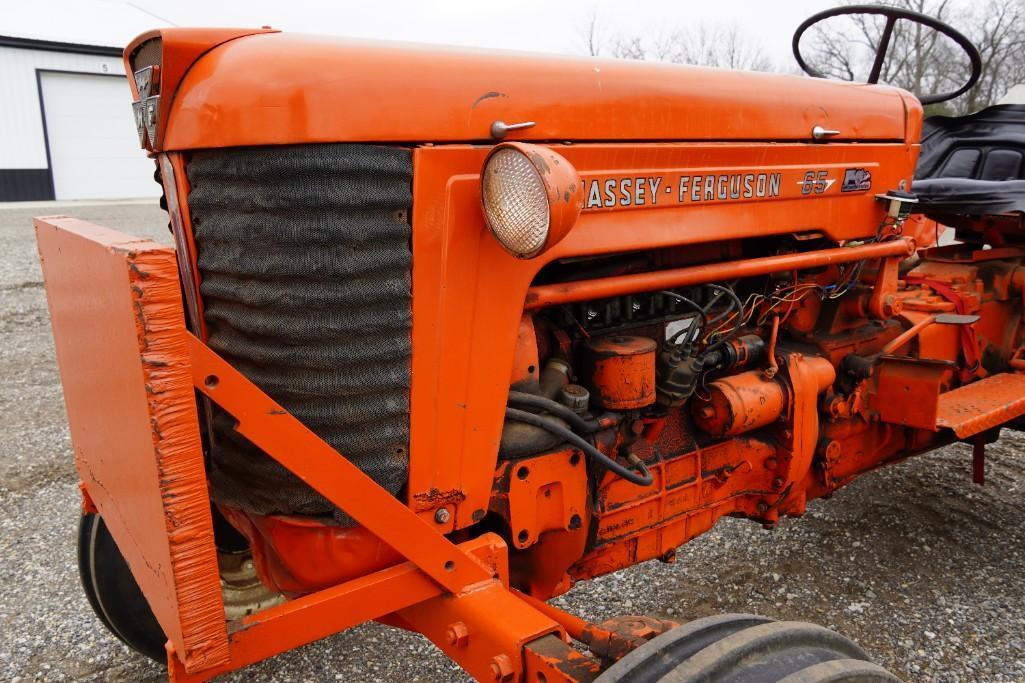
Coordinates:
column 113, row 592
column 743, row 648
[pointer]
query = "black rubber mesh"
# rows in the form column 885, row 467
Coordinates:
column 305, row 259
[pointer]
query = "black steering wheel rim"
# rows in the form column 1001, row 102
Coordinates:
column 894, row 14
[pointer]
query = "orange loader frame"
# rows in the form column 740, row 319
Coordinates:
column 121, row 296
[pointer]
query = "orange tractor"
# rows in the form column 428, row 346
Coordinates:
column 445, row 332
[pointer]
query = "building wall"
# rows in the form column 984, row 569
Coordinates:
column 24, row 168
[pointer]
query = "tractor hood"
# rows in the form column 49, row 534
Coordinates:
column 279, row 88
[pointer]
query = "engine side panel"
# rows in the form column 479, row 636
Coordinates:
column 469, row 293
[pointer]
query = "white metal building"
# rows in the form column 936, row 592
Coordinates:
column 66, row 126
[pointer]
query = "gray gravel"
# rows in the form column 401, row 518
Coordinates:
column 923, row 569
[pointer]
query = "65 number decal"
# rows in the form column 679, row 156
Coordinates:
column 816, row 182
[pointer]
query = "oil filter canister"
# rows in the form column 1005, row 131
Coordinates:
column 620, row 371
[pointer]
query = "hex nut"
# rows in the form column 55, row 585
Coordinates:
column 457, row 634
column 502, row 668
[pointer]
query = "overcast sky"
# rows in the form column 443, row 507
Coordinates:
column 534, row 25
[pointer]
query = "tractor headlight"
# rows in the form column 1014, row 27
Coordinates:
column 531, row 197
column 151, row 108
column 144, row 66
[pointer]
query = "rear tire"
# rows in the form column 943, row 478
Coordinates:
column 743, row 648
column 113, row 592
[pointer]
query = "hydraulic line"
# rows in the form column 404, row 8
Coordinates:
column 642, row 477
column 907, row 335
column 578, row 423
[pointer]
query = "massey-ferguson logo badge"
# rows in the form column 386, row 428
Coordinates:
column 720, row 185
column 681, row 189
column 856, row 180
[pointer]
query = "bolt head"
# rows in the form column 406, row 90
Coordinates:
column 502, row 668
column 442, row 516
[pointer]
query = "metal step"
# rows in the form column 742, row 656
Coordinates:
column 982, row 405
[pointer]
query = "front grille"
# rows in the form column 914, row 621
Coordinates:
column 304, row 253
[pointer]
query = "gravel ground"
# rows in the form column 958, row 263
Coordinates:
column 923, row 569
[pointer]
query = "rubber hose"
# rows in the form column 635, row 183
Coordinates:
column 643, row 478
column 578, row 423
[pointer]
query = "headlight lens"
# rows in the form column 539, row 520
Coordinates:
column 147, row 91
column 515, row 203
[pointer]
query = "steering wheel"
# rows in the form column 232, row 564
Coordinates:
column 892, row 15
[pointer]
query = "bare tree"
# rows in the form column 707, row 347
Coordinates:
column 999, row 33
column 720, row 45
column 723, row 46
column 922, row 60
column 591, row 32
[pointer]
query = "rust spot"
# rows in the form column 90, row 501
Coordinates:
column 434, row 498
column 540, row 163
column 487, row 96
column 550, row 654
column 275, row 411
column 135, row 269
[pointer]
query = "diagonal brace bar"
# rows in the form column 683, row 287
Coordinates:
column 287, row 440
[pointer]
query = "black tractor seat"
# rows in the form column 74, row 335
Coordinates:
column 973, row 165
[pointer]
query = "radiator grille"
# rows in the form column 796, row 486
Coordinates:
column 304, row 253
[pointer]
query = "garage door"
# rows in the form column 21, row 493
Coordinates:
column 94, row 148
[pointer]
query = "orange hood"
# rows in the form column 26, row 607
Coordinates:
column 280, row 88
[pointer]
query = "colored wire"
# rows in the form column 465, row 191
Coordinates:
column 740, row 315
